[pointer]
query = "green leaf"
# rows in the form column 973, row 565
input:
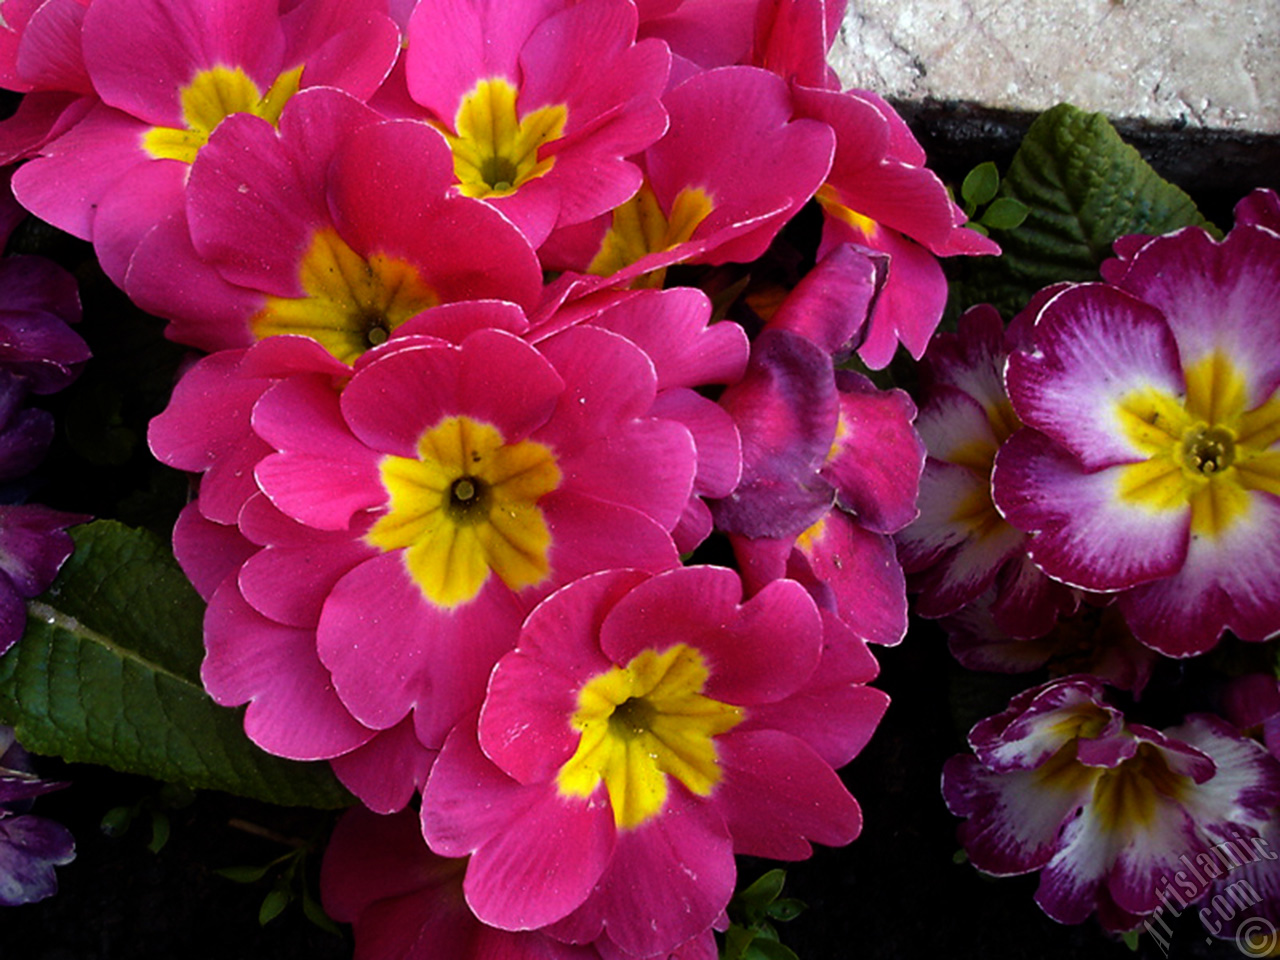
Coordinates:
column 736, row 941
column 786, row 909
column 1130, row 939
column 160, row 830
column 769, row 950
column 1005, row 214
column 244, row 874
column 765, row 890
column 117, row 820
column 312, row 910
column 1083, row 187
column 980, row 185
column 108, row 672
column 273, row 904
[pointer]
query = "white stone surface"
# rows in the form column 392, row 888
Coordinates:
column 1210, row 63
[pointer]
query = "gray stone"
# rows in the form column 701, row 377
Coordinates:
column 1203, row 63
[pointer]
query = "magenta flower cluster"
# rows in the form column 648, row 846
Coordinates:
column 459, row 421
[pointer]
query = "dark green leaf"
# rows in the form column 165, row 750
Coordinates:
column 765, row 890
column 117, row 820
column 108, row 673
column 160, row 828
column 273, row 904
column 244, row 874
column 736, row 941
column 315, row 913
column 785, row 909
column 1130, row 939
column 980, row 185
column 1083, row 187
column 769, row 950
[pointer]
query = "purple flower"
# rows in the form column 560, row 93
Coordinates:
column 1063, row 783
column 30, row 847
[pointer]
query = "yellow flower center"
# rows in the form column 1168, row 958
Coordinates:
column 640, row 227
column 350, row 304
column 211, row 97
column 1203, row 449
column 495, row 151
column 466, row 507
column 640, row 724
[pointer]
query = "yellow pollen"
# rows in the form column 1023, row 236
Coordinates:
column 349, row 304
column 641, row 724
column 495, row 151
column 211, row 97
column 466, row 507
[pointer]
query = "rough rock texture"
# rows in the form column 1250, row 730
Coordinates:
column 1203, row 63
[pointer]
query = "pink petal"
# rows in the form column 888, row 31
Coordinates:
column 389, row 770
column 1093, row 347
column 1079, row 529
column 293, row 710
column 1228, row 582
column 702, row 606
column 778, row 796
column 401, row 653
column 1217, row 296
column 688, row 854
column 876, row 461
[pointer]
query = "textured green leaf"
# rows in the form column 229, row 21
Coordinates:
column 1083, row 187
column 108, row 672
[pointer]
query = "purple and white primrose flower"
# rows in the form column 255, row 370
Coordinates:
column 960, row 548
column 1151, row 467
column 1062, row 783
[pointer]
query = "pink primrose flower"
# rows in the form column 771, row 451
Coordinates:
column 731, row 169
column 425, row 508
column 960, row 547
column 643, row 731
column 339, row 226
column 1106, row 809
column 167, row 74
column 541, row 103
column 1151, row 466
